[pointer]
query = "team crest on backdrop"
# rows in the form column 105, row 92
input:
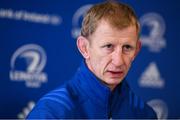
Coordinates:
column 160, row 107
column 27, row 64
column 154, row 37
column 77, row 19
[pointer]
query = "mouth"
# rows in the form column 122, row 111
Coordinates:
column 115, row 74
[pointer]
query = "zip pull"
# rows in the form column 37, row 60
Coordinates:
column 110, row 115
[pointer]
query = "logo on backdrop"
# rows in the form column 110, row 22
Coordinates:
column 154, row 26
column 160, row 108
column 77, row 19
column 151, row 77
column 26, row 110
column 27, row 64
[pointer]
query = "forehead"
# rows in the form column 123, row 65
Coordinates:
column 106, row 31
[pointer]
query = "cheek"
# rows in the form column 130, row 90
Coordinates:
column 102, row 63
column 128, row 60
column 105, row 63
column 99, row 60
column 96, row 61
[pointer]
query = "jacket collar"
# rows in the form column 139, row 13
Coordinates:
column 95, row 89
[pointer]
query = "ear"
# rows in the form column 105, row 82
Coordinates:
column 83, row 44
column 138, row 48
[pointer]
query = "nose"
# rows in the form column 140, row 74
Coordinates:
column 117, row 58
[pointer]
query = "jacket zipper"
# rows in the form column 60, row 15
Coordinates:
column 110, row 115
column 109, row 107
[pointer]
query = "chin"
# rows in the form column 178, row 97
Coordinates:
column 114, row 81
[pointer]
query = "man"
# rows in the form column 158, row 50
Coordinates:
column 109, row 42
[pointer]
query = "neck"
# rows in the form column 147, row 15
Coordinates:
column 111, row 87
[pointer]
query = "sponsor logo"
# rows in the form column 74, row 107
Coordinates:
column 155, row 25
column 77, row 19
column 151, row 77
column 34, row 59
column 24, row 15
column 160, row 107
column 26, row 110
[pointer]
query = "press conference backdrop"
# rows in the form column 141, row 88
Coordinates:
column 38, row 52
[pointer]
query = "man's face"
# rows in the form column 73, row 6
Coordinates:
column 110, row 52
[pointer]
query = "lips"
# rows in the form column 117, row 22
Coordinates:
column 115, row 74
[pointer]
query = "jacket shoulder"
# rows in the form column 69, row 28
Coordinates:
column 55, row 104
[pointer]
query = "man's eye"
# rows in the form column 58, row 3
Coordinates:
column 108, row 46
column 127, row 48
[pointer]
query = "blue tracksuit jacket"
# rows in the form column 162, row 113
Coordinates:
column 86, row 97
